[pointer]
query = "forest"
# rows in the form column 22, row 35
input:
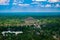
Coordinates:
column 33, row 27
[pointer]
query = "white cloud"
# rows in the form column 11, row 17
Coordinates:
column 57, row 5
column 48, row 5
column 14, row 3
column 23, row 4
column 4, row 2
column 41, row 0
column 53, row 0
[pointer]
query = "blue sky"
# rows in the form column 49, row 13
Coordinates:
column 20, row 8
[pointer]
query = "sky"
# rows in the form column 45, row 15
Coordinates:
column 28, row 8
column 7, row 1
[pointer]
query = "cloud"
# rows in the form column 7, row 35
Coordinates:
column 48, row 5
column 57, row 5
column 53, row 0
column 23, row 4
column 41, row 0
column 4, row 2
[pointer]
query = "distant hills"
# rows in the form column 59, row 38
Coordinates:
column 30, row 14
